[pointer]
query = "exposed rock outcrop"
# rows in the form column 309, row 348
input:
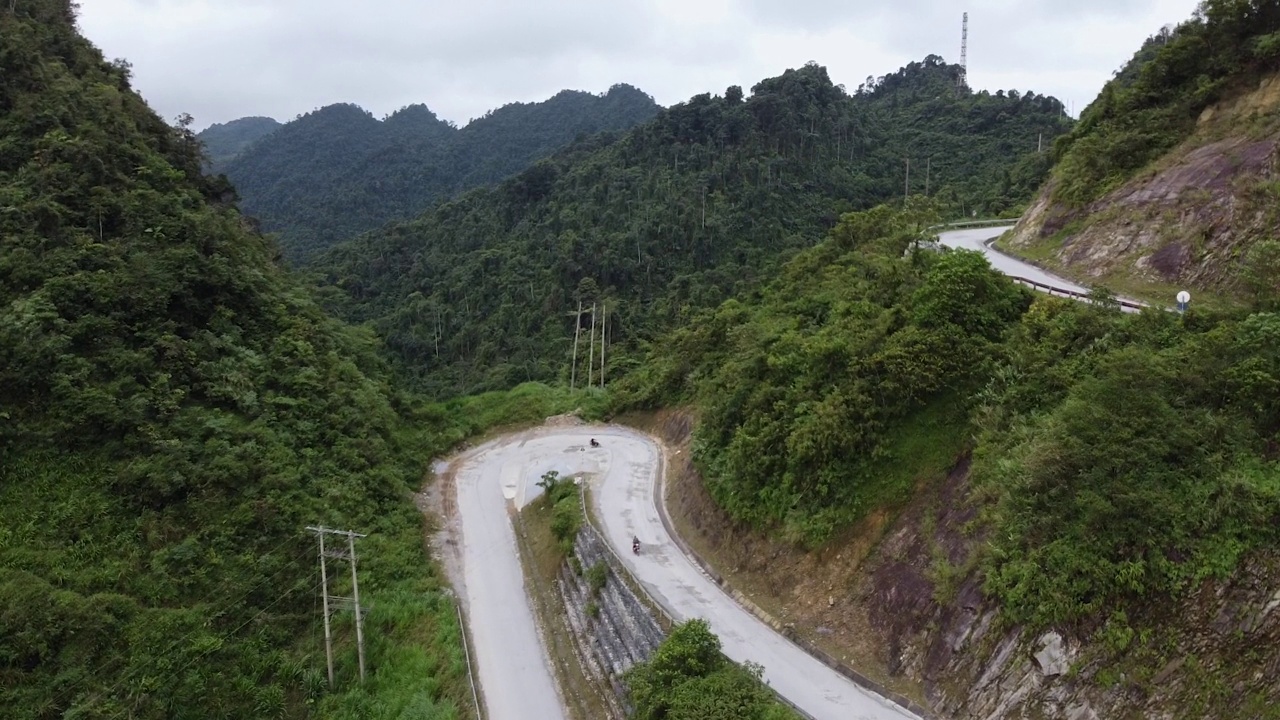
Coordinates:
column 1187, row 220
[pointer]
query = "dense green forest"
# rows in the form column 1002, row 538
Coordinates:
column 174, row 410
column 1153, row 102
column 224, row 142
column 336, row 172
column 825, row 392
column 1120, row 459
column 679, row 214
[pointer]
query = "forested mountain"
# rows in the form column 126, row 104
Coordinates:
column 223, row 142
column 676, row 215
column 337, row 172
column 174, row 410
column 1167, row 180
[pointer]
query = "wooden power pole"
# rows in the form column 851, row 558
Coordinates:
column 349, row 554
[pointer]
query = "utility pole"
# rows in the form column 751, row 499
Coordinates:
column 906, row 186
column 350, row 556
column 604, row 321
column 355, row 599
column 577, row 330
column 591, row 347
column 324, row 594
column 928, row 167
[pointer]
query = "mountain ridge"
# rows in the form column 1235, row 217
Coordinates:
column 175, row 409
column 338, row 171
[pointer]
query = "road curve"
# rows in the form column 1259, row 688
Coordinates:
column 976, row 239
column 510, row 658
column 623, row 475
column 626, row 503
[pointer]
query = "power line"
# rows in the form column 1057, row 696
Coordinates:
column 237, row 629
column 216, row 612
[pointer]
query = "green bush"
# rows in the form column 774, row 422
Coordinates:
column 597, row 576
column 689, row 679
column 808, row 391
column 566, row 520
column 1129, row 472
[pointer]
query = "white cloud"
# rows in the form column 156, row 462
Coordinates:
column 223, row 60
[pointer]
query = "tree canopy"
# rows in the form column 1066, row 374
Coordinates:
column 677, row 215
column 336, row 172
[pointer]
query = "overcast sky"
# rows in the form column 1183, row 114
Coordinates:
column 224, row 59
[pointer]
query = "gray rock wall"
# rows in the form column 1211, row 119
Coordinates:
column 614, row 629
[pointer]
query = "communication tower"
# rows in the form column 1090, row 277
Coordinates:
column 964, row 51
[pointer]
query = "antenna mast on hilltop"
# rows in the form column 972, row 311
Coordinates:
column 964, row 51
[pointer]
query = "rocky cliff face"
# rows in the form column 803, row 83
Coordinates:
column 1214, row 656
column 1187, row 220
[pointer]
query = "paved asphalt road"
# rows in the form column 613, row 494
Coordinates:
column 511, row 658
column 976, row 239
column 513, row 667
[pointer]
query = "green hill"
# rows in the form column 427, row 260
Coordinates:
column 224, row 142
column 676, row 215
column 337, row 172
column 174, row 409
column 1167, row 181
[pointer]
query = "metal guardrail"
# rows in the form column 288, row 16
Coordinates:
column 994, row 222
column 1053, row 290
column 466, row 649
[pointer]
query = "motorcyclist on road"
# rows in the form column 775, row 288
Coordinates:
column 635, row 544
column 594, row 443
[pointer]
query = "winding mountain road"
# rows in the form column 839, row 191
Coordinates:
column 496, row 478
column 976, row 239
column 502, row 474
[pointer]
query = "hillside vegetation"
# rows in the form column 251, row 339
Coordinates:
column 174, row 409
column 1167, row 181
column 1122, row 463
column 677, row 215
column 1154, row 101
column 336, row 172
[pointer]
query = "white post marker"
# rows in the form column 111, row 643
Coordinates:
column 1184, row 299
